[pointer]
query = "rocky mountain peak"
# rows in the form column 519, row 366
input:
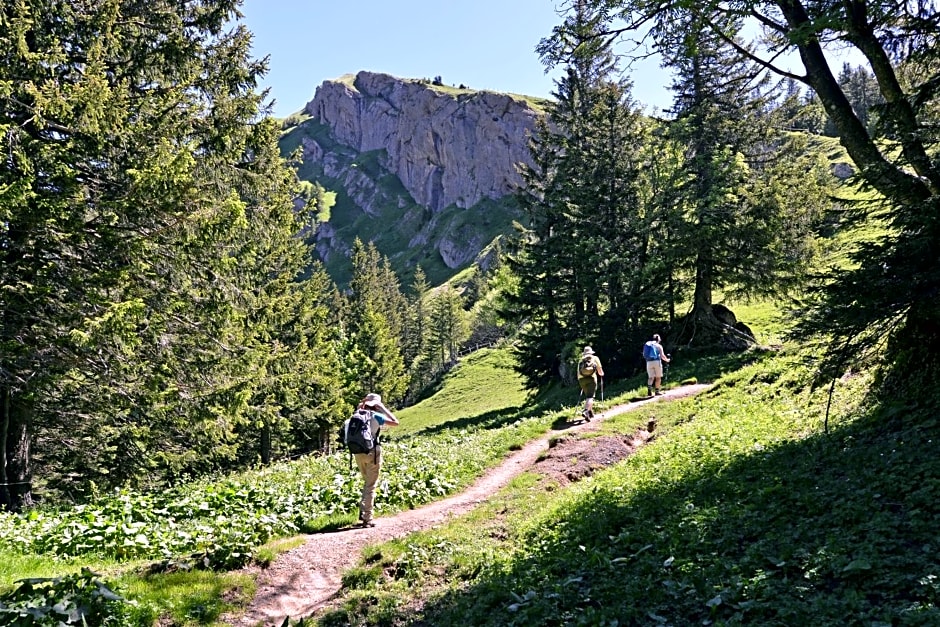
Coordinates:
column 447, row 146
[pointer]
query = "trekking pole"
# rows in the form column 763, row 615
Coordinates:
column 602, row 389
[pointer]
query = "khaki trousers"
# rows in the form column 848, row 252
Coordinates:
column 369, row 466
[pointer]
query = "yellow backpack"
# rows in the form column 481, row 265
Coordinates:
column 587, row 366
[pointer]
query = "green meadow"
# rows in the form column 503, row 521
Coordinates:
column 760, row 501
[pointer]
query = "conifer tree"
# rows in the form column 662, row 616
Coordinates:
column 541, row 260
column 282, row 309
column 375, row 284
column 418, row 316
column 416, row 357
column 135, row 166
column 861, row 89
column 734, row 234
column 376, row 312
column 631, row 278
column 448, row 325
column 487, row 325
column 896, row 158
column 377, row 361
column 582, row 262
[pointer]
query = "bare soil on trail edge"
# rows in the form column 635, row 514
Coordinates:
column 304, row 579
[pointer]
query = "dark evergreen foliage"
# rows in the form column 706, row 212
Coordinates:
column 587, row 265
column 154, row 319
column 749, row 199
column 376, row 325
column 895, row 155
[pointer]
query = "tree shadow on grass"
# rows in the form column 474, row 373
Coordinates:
column 494, row 419
column 709, row 364
column 831, row 530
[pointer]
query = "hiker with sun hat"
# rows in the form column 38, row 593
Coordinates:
column 589, row 369
column 370, row 464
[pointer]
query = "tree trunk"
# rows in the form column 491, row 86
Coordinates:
column 704, row 326
column 890, row 180
column 265, row 443
column 702, row 300
column 672, row 298
column 15, row 473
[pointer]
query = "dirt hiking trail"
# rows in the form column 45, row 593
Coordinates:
column 303, row 579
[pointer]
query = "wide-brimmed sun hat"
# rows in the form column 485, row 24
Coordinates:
column 588, row 351
column 372, row 400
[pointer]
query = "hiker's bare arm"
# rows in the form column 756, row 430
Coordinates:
column 390, row 418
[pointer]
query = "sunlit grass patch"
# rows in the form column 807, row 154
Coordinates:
column 485, row 382
column 267, row 553
column 191, row 597
column 15, row 566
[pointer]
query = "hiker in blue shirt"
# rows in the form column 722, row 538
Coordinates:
column 370, row 464
column 654, row 355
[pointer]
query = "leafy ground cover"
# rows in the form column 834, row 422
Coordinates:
column 223, row 523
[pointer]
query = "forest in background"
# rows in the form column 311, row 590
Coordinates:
column 162, row 318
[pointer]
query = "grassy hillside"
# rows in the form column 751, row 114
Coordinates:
column 759, row 502
column 484, row 384
column 156, row 548
column 752, row 506
column 475, row 226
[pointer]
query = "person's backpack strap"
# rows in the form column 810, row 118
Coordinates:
column 375, row 447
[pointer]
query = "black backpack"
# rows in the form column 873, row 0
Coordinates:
column 356, row 433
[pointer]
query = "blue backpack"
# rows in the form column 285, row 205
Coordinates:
column 650, row 351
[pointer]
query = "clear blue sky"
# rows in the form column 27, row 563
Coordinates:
column 484, row 44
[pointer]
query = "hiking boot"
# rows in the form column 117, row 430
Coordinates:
column 659, row 392
column 649, row 391
column 585, row 416
column 367, row 523
column 588, row 415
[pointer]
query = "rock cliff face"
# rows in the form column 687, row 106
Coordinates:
column 445, row 148
column 436, row 164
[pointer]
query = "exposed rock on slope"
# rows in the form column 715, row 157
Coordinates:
column 425, row 171
column 446, row 148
